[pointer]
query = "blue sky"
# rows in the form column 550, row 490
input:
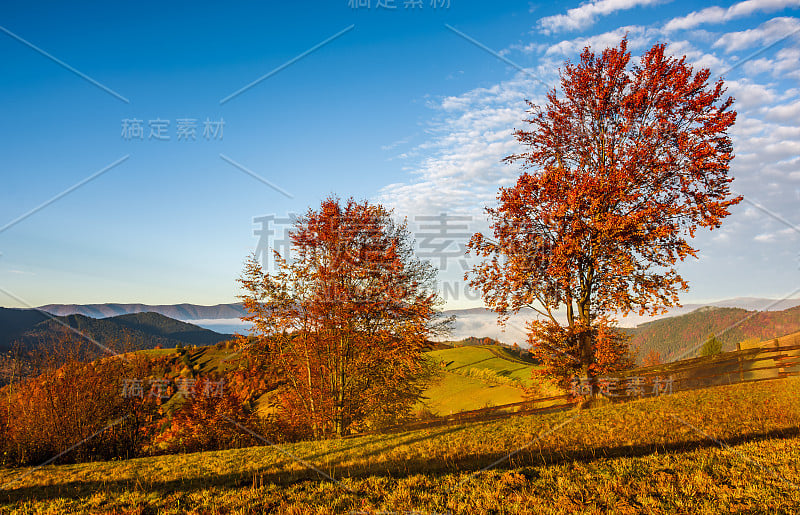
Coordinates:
column 402, row 107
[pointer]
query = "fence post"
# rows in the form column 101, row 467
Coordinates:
column 741, row 371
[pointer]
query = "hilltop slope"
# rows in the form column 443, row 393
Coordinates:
column 674, row 335
column 176, row 311
column 653, row 455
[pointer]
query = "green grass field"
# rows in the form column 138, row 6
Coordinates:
column 476, row 377
column 490, row 357
column 726, row 449
column 454, row 392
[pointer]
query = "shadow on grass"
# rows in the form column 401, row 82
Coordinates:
column 263, row 476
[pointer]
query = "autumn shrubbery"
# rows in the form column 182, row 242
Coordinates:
column 74, row 411
column 211, row 418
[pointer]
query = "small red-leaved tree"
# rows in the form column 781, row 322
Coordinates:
column 345, row 322
column 620, row 170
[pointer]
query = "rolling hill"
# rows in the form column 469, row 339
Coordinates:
column 475, row 377
column 674, row 336
column 32, row 328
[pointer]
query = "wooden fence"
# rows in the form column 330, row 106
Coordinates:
column 770, row 360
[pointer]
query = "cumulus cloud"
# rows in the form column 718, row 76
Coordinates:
column 785, row 64
column 718, row 14
column 586, row 14
column 638, row 37
column 749, row 95
column 766, row 33
column 698, row 58
column 765, row 238
column 461, row 168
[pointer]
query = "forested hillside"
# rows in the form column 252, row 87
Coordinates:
column 671, row 337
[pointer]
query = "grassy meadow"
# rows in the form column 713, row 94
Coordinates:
column 733, row 448
column 472, row 377
column 475, row 377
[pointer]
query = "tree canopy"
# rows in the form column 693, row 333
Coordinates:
column 619, row 171
column 344, row 322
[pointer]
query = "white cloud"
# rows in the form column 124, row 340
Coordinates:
column 765, row 238
column 638, row 37
column 718, row 14
column 695, row 56
column 749, row 95
column 789, row 232
column 462, row 167
column 721, row 237
column 766, row 33
column 397, row 143
column 786, row 64
column 586, row 14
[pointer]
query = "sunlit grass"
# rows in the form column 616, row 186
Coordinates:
column 481, row 357
column 452, row 393
column 658, row 454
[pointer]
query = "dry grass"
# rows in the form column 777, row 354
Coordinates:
column 724, row 449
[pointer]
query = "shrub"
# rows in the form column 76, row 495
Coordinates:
column 76, row 412
column 711, row 347
column 652, row 359
column 213, row 418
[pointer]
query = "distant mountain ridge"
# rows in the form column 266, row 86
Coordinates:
column 174, row 311
column 32, row 328
column 672, row 334
column 234, row 310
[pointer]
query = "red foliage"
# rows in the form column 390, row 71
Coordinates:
column 620, row 172
column 76, row 412
column 213, row 417
column 652, row 359
column 344, row 324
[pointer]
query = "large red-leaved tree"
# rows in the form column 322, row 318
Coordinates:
column 619, row 171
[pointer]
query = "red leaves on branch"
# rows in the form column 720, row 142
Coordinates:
column 620, row 169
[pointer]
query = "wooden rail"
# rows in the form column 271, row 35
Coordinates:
column 691, row 374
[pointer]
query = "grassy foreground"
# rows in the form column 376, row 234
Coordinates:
column 726, row 449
